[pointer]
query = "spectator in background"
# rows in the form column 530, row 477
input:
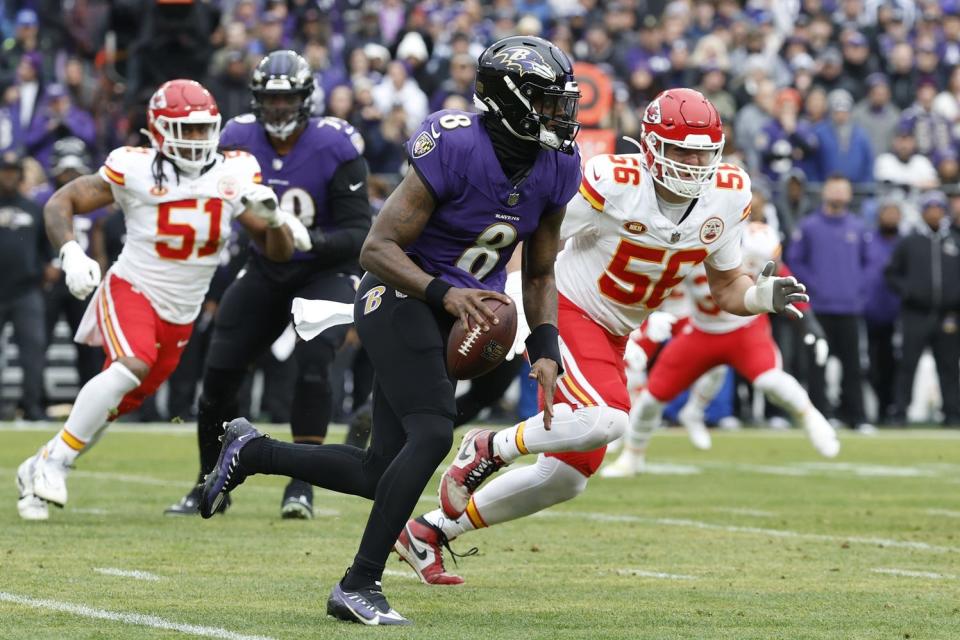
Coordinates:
column 397, row 89
column 876, row 114
column 24, row 43
column 230, row 86
column 923, row 271
column 815, row 105
column 858, row 64
column 902, row 79
column 327, row 73
column 463, row 73
column 828, row 254
column 786, row 141
column 931, row 130
column 829, row 76
column 80, row 83
column 881, row 308
column 70, row 160
column 947, row 103
column 57, row 118
column 340, row 104
column 24, row 261
column 713, row 83
column 903, row 166
column 10, row 132
column 753, row 118
column 844, row 147
column 928, row 64
column 27, row 85
column 793, row 202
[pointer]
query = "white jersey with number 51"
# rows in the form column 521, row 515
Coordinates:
column 623, row 257
column 175, row 232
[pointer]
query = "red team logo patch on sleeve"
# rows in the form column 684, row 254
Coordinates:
column 711, row 230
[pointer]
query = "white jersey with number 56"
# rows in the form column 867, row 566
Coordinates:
column 623, row 257
column 175, row 232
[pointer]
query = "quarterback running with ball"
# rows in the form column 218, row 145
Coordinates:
column 639, row 224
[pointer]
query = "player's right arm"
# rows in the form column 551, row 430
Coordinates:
column 400, row 222
column 83, row 195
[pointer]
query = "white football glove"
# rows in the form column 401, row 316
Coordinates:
column 514, row 289
column 82, row 272
column 772, row 294
column 659, row 326
column 261, row 201
column 301, row 237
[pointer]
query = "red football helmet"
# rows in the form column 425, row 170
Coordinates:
column 684, row 119
column 183, row 123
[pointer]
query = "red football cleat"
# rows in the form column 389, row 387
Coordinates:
column 473, row 464
column 420, row 545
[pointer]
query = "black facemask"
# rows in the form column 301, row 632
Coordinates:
column 516, row 156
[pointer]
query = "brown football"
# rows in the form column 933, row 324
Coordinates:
column 474, row 353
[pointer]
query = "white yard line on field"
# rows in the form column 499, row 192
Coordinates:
column 743, row 511
column 776, row 533
column 123, row 573
column 135, row 619
column 641, row 573
column 907, row 573
column 947, row 513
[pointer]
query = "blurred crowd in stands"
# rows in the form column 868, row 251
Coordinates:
column 840, row 109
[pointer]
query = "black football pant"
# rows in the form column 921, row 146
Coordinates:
column 486, row 390
column 843, row 337
column 413, row 412
column 939, row 331
column 253, row 312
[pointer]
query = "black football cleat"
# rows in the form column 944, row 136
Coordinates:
column 189, row 505
column 365, row 606
column 228, row 472
column 297, row 501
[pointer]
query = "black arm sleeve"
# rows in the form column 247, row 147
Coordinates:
column 350, row 208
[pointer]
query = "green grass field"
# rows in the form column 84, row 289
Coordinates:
column 760, row 539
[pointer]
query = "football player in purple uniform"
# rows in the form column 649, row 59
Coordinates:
column 479, row 184
column 316, row 168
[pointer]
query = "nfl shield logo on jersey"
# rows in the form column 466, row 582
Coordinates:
column 423, row 145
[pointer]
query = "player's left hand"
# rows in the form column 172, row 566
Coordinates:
column 301, row 237
column 514, row 289
column 261, row 201
column 772, row 294
column 544, row 371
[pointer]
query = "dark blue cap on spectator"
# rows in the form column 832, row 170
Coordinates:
column 877, row 78
column 27, row 18
column 933, row 198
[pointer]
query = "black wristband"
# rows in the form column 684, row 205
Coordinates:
column 434, row 293
column 544, row 342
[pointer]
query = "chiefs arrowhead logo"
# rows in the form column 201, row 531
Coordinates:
column 634, row 226
column 711, row 230
column 652, row 114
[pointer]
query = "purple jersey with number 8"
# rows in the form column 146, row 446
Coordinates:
column 479, row 216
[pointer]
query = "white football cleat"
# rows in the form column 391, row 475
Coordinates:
column 29, row 506
column 628, row 464
column 692, row 421
column 50, row 478
column 821, row 433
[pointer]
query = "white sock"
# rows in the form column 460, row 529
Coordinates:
column 515, row 494
column 450, row 528
column 585, row 429
column 90, row 412
column 784, row 391
column 704, row 390
column 645, row 417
